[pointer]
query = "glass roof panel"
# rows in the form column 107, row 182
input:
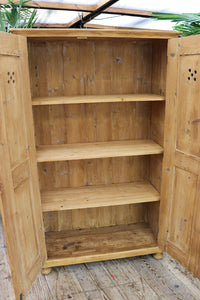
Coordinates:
column 88, row 2
column 131, row 22
column 178, row 6
column 47, row 16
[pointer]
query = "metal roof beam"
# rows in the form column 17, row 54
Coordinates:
column 100, row 7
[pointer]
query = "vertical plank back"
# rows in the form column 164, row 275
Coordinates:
column 91, row 67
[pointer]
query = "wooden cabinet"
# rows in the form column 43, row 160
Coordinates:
column 89, row 186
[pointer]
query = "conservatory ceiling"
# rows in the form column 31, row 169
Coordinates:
column 103, row 14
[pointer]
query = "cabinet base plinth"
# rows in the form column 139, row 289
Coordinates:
column 46, row 271
column 158, row 255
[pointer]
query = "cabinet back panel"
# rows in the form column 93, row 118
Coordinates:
column 94, row 217
column 79, row 123
column 88, row 68
column 93, row 172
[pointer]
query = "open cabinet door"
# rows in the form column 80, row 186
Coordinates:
column 19, row 186
column 180, row 193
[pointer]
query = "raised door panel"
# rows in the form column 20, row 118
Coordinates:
column 21, row 205
column 182, row 209
column 180, row 192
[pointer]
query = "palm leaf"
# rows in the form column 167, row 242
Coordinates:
column 17, row 14
column 176, row 17
column 2, row 22
column 188, row 24
column 32, row 20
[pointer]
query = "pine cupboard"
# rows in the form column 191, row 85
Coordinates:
column 99, row 147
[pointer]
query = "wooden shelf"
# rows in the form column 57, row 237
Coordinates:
column 98, row 196
column 103, row 243
column 63, row 152
column 96, row 99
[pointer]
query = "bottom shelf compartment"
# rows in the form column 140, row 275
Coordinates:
column 103, row 243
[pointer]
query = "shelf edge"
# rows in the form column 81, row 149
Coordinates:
column 38, row 101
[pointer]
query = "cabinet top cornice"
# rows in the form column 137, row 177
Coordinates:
column 96, row 33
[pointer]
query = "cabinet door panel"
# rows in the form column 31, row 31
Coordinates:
column 180, row 193
column 188, row 122
column 182, row 208
column 20, row 205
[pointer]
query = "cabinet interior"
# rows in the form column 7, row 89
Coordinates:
column 99, row 203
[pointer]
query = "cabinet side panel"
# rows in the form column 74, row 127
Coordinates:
column 159, row 65
column 170, row 140
column 159, row 69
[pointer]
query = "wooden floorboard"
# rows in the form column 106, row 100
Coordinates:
column 166, row 286
column 128, row 281
column 2, row 239
column 6, row 287
column 124, row 279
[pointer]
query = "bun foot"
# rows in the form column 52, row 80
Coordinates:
column 158, row 255
column 46, row 271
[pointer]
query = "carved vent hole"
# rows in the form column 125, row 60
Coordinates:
column 192, row 75
column 11, row 77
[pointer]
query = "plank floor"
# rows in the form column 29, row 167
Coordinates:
column 124, row 279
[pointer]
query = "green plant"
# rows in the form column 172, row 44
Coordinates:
column 188, row 24
column 16, row 15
